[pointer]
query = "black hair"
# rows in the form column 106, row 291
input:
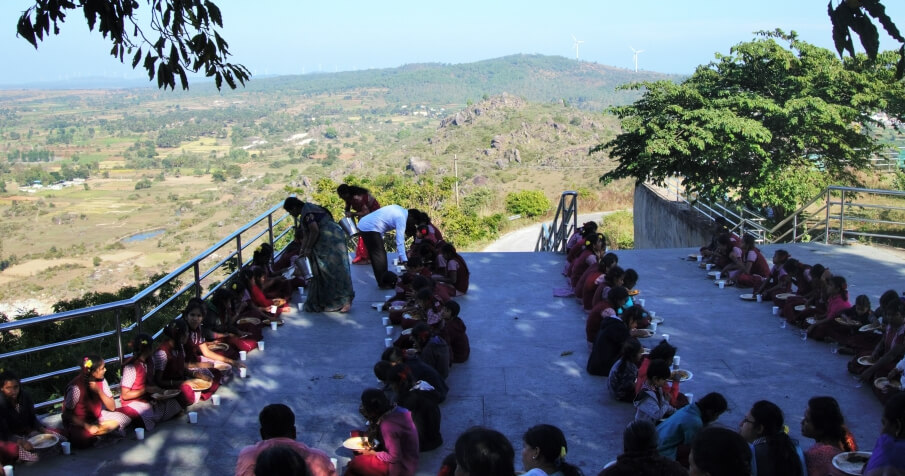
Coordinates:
column 782, row 455
column 610, row 259
column 344, row 189
column 6, row 376
column 663, row 351
column 551, row 443
column 613, row 274
column 724, row 239
column 277, row 420
column 782, row 253
column 485, row 452
column 841, row 285
column 639, row 439
column 721, row 452
column 862, row 300
column 382, row 370
column 792, row 266
column 589, row 227
column 748, row 241
column 894, row 414
column 176, row 330
column 828, row 423
column 817, row 271
column 630, row 349
column 630, row 279
column 140, row 344
column 658, row 368
column 391, row 354
column 616, row 294
column 292, row 203
column 280, row 460
column 453, row 307
column 714, row 403
column 375, row 402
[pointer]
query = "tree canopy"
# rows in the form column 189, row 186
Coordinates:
column 759, row 116
column 854, row 16
column 187, row 36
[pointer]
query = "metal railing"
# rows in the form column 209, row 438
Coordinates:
column 128, row 316
column 742, row 220
column 554, row 237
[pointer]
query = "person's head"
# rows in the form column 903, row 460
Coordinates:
column 838, row 285
column 893, row 419
column 817, row 271
column 178, row 331
column 277, row 421
column 425, row 297
column 374, row 403
column 631, row 350
column 293, row 206
column 545, row 445
column 382, row 370
column 280, row 460
column 400, row 380
column 658, row 372
column 724, row 240
column 591, row 241
column 92, row 368
column 712, row 406
column 748, row 242
column 862, row 304
column 719, row 452
column 421, row 334
column 223, row 300
column 894, row 314
column 888, row 297
column 392, row 355
column 780, row 257
column 484, row 452
column 414, row 264
column 720, row 224
column 636, row 317
column 616, row 277
column 9, row 385
column 259, row 274
column 823, row 422
column 630, row 279
column 142, row 346
column 609, row 260
column 451, row 309
column 764, row 419
column 792, row 267
column 343, row 192
column 589, row 227
column 639, row 438
column 663, row 351
column 448, row 251
column 194, row 313
column 617, row 296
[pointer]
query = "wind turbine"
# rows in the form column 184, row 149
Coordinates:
column 635, row 54
column 575, row 43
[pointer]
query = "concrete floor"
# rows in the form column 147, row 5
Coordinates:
column 526, row 367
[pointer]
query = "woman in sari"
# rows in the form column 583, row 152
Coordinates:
column 359, row 202
column 137, row 387
column 324, row 244
column 89, row 411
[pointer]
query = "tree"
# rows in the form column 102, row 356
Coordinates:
column 530, row 203
column 759, row 114
column 855, row 16
column 187, row 38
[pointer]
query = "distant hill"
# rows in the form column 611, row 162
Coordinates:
column 537, row 78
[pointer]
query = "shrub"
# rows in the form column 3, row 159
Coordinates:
column 529, row 203
column 143, row 183
column 619, row 228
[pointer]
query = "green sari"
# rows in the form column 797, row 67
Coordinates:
column 331, row 286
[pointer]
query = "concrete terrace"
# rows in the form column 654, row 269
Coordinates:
column 526, row 367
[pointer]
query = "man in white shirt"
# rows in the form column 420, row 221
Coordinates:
column 373, row 226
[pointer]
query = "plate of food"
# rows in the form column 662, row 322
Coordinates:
column 847, row 322
column 851, row 462
column 811, row 321
column 396, row 308
column 800, row 307
column 357, row 443
column 222, row 366
column 166, row 394
column 684, row 375
column 714, row 274
column 747, row 297
column 885, row 384
column 783, row 296
column 215, row 346
column 44, row 441
column 865, row 360
column 644, row 333
column 249, row 320
column 199, row 384
column 869, row 327
column 634, row 292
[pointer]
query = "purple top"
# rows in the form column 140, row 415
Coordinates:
column 401, row 440
column 888, row 457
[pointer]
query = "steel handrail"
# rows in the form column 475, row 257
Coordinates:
column 553, row 238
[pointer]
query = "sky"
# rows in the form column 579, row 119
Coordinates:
column 277, row 37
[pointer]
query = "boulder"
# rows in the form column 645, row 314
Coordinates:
column 496, row 142
column 417, row 165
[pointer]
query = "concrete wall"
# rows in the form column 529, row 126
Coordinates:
column 661, row 223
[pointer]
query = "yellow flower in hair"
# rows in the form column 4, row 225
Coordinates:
column 144, row 342
column 785, row 429
column 234, row 286
column 562, row 452
column 88, row 363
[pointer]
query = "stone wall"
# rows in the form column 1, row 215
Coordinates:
column 661, row 223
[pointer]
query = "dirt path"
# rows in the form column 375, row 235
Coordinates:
column 525, row 239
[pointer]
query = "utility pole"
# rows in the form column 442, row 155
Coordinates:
column 456, row 169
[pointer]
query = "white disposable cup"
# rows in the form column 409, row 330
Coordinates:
column 675, row 361
column 775, row 310
column 8, row 470
column 690, row 397
column 395, row 261
column 389, row 330
column 388, row 297
column 722, row 284
column 700, row 258
column 193, row 417
column 641, row 302
column 760, row 298
column 301, row 291
column 242, row 355
column 709, row 266
column 653, row 313
column 260, row 345
column 385, row 320
column 243, row 372
column 335, row 463
column 666, row 337
column 139, row 433
column 653, row 327
column 274, row 324
column 273, row 309
column 388, row 342
column 66, row 446
column 215, row 399
column 301, row 305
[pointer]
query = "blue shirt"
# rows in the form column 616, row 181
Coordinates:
column 387, row 218
column 680, row 428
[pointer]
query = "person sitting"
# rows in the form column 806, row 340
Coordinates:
column 280, row 461
column 455, row 273
column 418, row 398
column 418, row 370
column 773, row 452
column 609, row 261
column 728, row 254
column 613, row 306
column 854, row 342
column 137, row 387
column 754, row 269
column 614, row 331
column 825, row 325
column 576, row 251
column 278, row 430
column 544, row 453
column 585, row 228
column 778, row 281
column 651, row 403
column 720, row 227
column 614, row 278
column 888, row 455
column 639, row 454
column 171, row 370
column 454, row 328
column 621, row 381
column 18, row 421
column 678, row 432
column 823, row 422
column 891, row 348
column 433, row 349
column 595, row 247
column 666, row 352
column 220, row 322
column 719, row 452
column 392, row 425
column 89, row 411
column 484, row 452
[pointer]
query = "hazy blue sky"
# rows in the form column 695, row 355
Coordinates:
column 292, row 37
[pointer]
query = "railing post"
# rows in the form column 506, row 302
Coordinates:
column 270, row 233
column 795, row 228
column 826, row 223
column 842, row 217
column 137, row 309
column 239, row 251
column 119, row 336
column 197, row 269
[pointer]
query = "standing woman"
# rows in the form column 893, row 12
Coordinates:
column 324, row 244
column 359, row 202
column 544, row 453
column 88, row 407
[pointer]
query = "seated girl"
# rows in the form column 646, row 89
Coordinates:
column 614, row 278
column 614, row 331
column 825, row 325
column 273, row 308
column 433, row 349
column 392, row 426
column 778, row 281
column 651, row 403
column 137, row 388
column 456, row 272
column 418, row 398
column 727, row 255
column 753, row 269
column 170, row 368
column 621, row 381
column 454, row 329
column 275, row 285
column 610, row 261
column 613, row 306
column 773, row 452
column 198, row 354
column 220, row 323
column 812, row 295
column 890, row 349
column 247, row 307
column 823, row 422
column 595, row 247
column 665, row 352
column 18, row 421
column 853, row 341
column 576, row 251
column 89, row 411
column 586, row 228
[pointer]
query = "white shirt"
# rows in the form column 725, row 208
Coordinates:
column 384, row 219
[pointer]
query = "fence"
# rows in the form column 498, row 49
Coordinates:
column 554, row 237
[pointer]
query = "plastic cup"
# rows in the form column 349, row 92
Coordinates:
column 242, row 355
column 139, row 433
column 700, row 258
column 301, row 305
column 389, row 330
column 385, row 320
column 666, row 337
column 243, row 372
column 193, row 417
column 274, row 324
column 215, row 399
column 388, row 342
column 690, row 397
column 653, row 313
column 8, row 470
column 641, row 302
column 775, row 310
column 709, row 266
column 653, row 327
column 273, row 309
column 260, row 345
column 66, row 447
column 760, row 298
column 301, row 291
column 335, row 463
column 722, row 284
column 675, row 361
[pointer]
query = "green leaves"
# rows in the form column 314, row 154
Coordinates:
column 855, row 16
column 186, row 38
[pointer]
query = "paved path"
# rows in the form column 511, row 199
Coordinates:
column 525, row 239
column 527, row 366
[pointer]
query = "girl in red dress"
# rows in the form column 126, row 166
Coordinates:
column 137, row 387
column 89, row 411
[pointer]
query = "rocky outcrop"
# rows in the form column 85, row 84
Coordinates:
column 417, row 165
